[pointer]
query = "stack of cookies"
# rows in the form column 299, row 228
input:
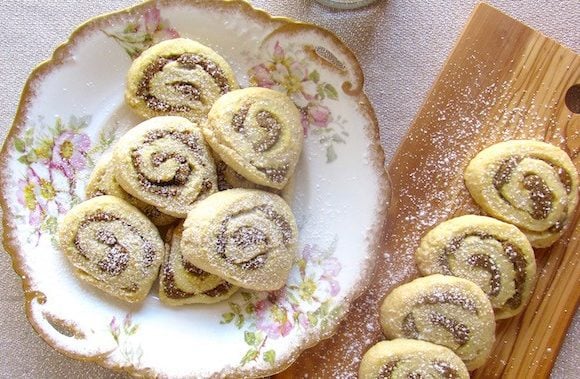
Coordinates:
column 205, row 171
column 477, row 269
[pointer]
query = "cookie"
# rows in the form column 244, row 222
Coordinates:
column 258, row 133
column 102, row 182
column 493, row 254
column 181, row 283
column 165, row 162
column 531, row 184
column 445, row 310
column 248, row 237
column 178, row 77
column 404, row 358
column 112, row 246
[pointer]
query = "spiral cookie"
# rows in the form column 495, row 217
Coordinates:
column 112, row 246
column 444, row 310
column 178, row 77
column 493, row 254
column 181, row 282
column 102, row 182
column 257, row 132
column 404, row 358
column 165, row 162
column 248, row 237
column 531, row 184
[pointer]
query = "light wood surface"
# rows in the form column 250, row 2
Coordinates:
column 502, row 81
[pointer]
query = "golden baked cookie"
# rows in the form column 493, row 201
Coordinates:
column 493, row 254
column 248, row 237
column 445, row 310
column 257, row 132
column 178, row 77
column 180, row 282
column 531, row 184
column 404, row 358
column 113, row 246
column 165, row 162
column 102, row 182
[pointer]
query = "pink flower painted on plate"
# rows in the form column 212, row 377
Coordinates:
column 290, row 73
column 307, row 300
column 70, row 151
column 156, row 27
column 142, row 32
column 273, row 316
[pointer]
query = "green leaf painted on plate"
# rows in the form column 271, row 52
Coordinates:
column 330, row 91
column 270, row 357
column 250, row 338
column 19, row 145
column 251, row 355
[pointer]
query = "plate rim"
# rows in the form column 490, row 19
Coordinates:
column 374, row 236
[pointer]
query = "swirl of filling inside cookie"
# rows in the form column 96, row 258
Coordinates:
column 183, row 283
column 493, row 254
column 112, row 246
column 406, row 358
column 248, row 237
column 445, row 310
column 257, row 132
column 164, row 162
column 178, row 77
column 531, row 184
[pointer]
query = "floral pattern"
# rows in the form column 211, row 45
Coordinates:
column 143, row 32
column 306, row 301
column 287, row 69
column 126, row 346
column 53, row 159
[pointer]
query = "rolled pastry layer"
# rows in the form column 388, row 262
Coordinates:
column 248, row 237
column 165, row 162
column 102, row 182
column 112, row 246
column 531, row 184
column 181, row 282
column 257, row 132
column 444, row 310
column 178, row 77
column 493, row 254
column 404, row 358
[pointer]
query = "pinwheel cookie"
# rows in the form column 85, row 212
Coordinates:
column 444, row 310
column 181, row 282
column 102, row 182
column 257, row 132
column 165, row 162
column 112, row 246
column 531, row 184
column 493, row 254
column 404, row 358
column 178, row 77
column 248, row 237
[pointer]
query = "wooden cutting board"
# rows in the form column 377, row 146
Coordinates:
column 502, row 81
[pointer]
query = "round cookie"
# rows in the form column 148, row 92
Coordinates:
column 493, row 254
column 404, row 358
column 248, row 237
column 178, row 77
column 257, row 132
column 102, row 182
column 445, row 310
column 165, row 162
column 112, row 246
column 531, row 184
column 182, row 283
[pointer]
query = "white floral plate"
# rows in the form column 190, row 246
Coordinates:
column 72, row 111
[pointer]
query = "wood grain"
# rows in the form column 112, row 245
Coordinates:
column 502, row 81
